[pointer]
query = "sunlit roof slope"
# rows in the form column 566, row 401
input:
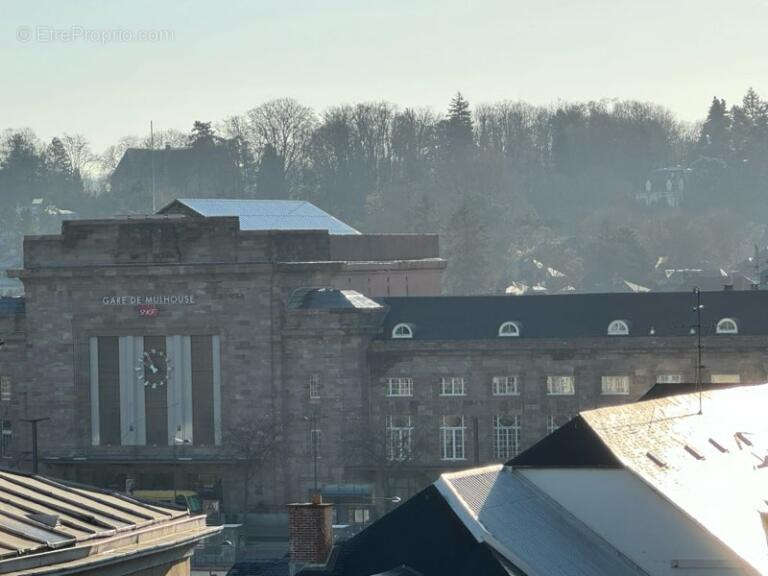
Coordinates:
column 263, row 214
column 712, row 465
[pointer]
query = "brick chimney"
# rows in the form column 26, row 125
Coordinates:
column 311, row 532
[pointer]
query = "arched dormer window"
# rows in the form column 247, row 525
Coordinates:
column 727, row 326
column 618, row 328
column 509, row 330
column 402, row 330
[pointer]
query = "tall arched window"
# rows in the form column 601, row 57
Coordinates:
column 402, row 331
column 509, row 329
column 727, row 326
column 618, row 328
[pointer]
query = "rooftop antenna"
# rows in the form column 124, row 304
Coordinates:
column 152, row 162
column 699, row 366
column 757, row 264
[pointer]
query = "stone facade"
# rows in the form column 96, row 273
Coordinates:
column 302, row 389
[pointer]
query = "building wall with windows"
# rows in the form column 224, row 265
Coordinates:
column 159, row 349
column 188, row 353
column 541, row 384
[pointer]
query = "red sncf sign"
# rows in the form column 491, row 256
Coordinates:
column 147, row 310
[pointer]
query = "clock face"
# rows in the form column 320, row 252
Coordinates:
column 153, row 368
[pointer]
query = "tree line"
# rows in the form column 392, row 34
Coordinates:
column 577, row 196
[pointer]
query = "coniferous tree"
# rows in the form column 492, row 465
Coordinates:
column 270, row 180
column 715, row 138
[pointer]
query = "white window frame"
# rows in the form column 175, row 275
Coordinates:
column 399, row 438
column 509, row 329
column 669, row 379
column 364, row 518
column 505, row 386
column 314, row 386
column 727, row 326
column 723, row 378
column 5, row 388
column 402, row 331
column 551, row 423
column 6, row 429
column 506, row 437
column 618, row 328
column 452, row 439
column 399, row 386
column 452, row 386
column 615, row 385
column 556, row 387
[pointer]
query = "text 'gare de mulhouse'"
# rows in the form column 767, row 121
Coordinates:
column 184, row 299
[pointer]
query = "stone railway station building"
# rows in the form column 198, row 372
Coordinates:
column 248, row 351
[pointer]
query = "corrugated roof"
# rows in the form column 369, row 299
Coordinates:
column 267, row 214
column 713, row 465
column 37, row 514
column 575, row 315
column 502, row 508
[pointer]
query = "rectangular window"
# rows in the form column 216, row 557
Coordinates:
column 506, row 436
column 453, row 386
column 314, row 386
column 669, row 379
column 5, row 388
column 360, row 515
column 505, row 386
column 201, row 362
column 560, row 385
column 452, row 437
column 612, row 385
column 400, row 386
column 554, row 421
column 6, row 437
column 725, row 379
column 399, row 438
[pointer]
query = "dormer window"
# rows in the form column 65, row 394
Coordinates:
column 618, row 328
column 402, row 331
column 727, row 326
column 509, row 330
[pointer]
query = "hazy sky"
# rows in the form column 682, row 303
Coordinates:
column 228, row 56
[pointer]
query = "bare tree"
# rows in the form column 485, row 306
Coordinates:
column 391, row 450
column 81, row 157
column 285, row 124
column 255, row 442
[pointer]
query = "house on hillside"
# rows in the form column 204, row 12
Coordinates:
column 152, row 178
column 670, row 486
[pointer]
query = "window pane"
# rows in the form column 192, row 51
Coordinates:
column 615, row 384
column 560, row 385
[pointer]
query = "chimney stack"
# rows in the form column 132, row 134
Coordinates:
column 311, row 532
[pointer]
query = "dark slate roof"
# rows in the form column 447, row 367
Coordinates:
column 399, row 571
column 423, row 534
column 575, row 315
column 11, row 306
column 574, row 444
column 261, row 568
column 266, row 214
